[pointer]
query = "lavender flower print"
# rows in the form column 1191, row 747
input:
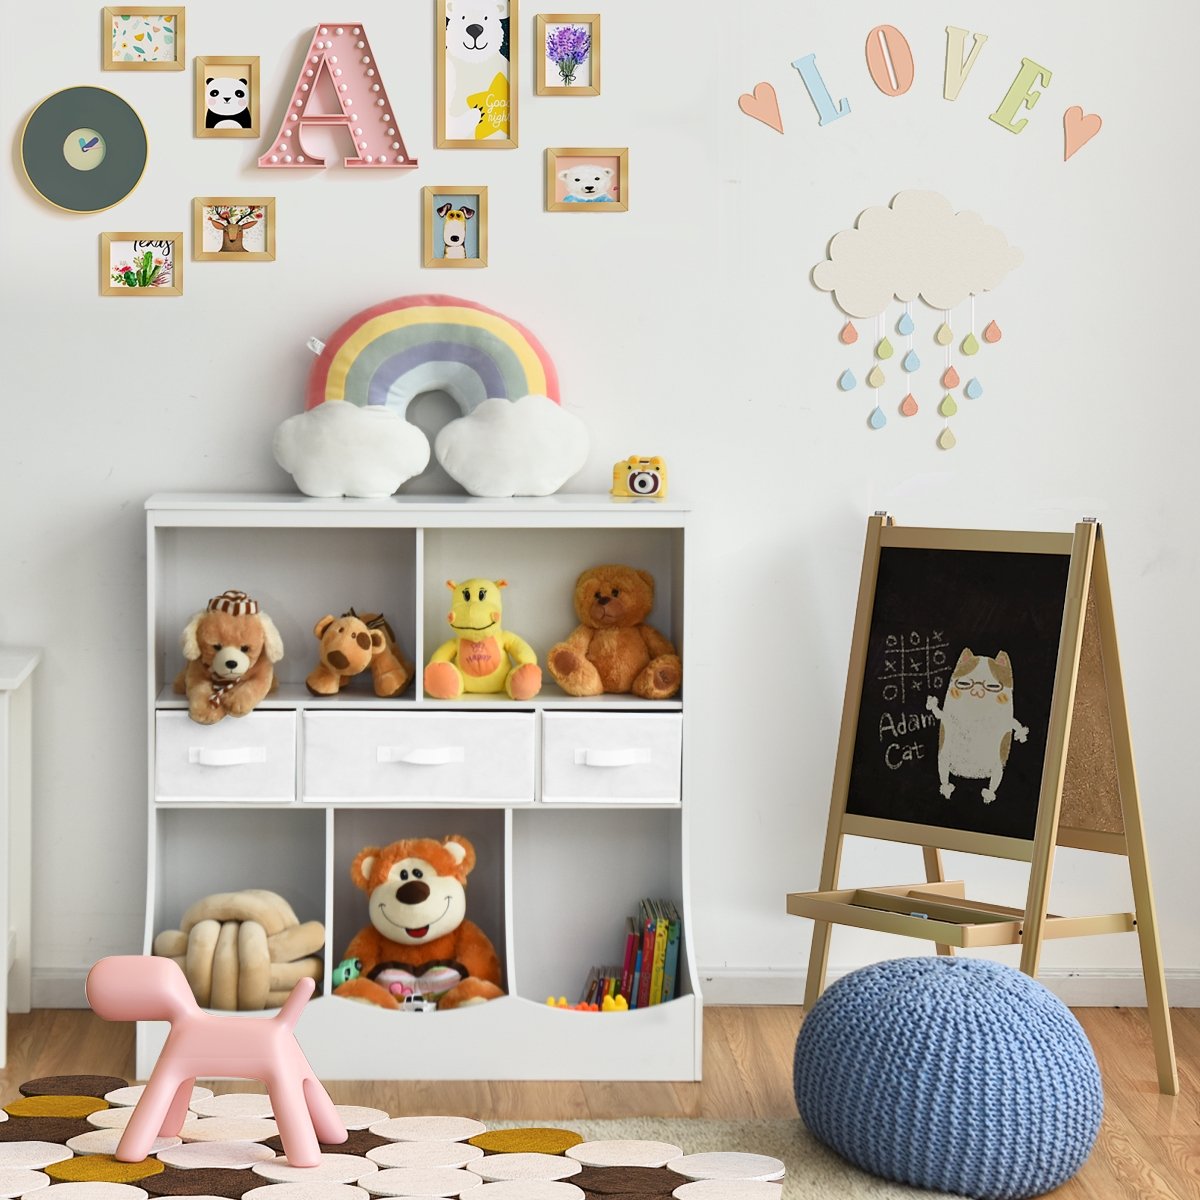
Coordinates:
column 567, row 47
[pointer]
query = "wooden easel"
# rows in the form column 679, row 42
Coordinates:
column 1088, row 795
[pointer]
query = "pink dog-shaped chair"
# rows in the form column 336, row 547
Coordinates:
column 202, row 1045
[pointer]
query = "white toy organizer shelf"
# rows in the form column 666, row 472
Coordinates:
column 291, row 792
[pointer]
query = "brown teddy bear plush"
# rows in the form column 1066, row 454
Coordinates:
column 349, row 644
column 419, row 942
column 612, row 651
column 230, row 648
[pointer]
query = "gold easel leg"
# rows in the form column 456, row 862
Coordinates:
column 1157, row 1008
column 935, row 874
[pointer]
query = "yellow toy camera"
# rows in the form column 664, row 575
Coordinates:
column 640, row 478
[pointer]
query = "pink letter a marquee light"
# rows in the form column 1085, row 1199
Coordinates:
column 343, row 53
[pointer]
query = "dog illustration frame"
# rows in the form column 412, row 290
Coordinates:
column 109, row 18
column 108, row 286
column 614, row 160
column 437, row 251
column 244, row 67
column 464, row 85
column 545, row 83
column 1086, row 794
column 261, row 211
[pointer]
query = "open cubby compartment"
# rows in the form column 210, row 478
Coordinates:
column 541, row 567
column 199, row 851
column 487, row 885
column 297, row 575
column 577, row 874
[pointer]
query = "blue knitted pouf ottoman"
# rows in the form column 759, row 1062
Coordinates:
column 956, row 1074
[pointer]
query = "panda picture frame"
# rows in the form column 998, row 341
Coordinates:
column 476, row 50
column 454, row 226
column 587, row 179
column 226, row 96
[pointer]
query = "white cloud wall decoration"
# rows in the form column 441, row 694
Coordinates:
column 918, row 247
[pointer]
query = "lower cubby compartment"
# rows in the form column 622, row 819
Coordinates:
column 203, row 851
column 577, row 875
column 354, row 829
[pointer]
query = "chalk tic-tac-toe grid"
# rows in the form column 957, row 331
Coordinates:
column 915, row 665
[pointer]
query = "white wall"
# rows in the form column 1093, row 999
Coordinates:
column 686, row 327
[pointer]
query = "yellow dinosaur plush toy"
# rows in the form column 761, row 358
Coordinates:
column 481, row 657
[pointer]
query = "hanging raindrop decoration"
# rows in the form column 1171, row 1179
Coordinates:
column 875, row 376
column 948, row 405
column 861, row 273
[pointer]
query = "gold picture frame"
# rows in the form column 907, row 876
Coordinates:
column 544, row 84
column 114, row 261
column 439, row 250
column 226, row 100
column 597, row 193
column 143, row 18
column 474, row 81
column 206, row 222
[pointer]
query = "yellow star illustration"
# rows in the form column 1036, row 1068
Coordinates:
column 493, row 108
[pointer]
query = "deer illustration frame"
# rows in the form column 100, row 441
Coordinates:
column 212, row 215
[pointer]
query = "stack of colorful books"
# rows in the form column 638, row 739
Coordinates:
column 649, row 969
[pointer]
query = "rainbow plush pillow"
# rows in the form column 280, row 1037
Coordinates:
column 513, row 438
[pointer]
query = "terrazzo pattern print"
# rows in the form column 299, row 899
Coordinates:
column 448, row 1156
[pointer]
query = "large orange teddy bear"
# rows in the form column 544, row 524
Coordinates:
column 419, row 942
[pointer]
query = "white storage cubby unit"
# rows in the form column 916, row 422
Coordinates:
column 576, row 806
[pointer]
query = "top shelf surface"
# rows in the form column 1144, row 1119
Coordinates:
column 259, row 508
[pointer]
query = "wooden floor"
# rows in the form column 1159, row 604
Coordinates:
column 1149, row 1147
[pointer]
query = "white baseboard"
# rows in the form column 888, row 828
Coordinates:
column 58, row 987
column 1082, row 987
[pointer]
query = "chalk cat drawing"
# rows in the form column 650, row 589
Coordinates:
column 978, row 726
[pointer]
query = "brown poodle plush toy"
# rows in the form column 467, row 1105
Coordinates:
column 419, row 942
column 611, row 650
column 230, row 648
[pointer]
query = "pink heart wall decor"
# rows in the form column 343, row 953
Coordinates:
column 763, row 105
column 1078, row 129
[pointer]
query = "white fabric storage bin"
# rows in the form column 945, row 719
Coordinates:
column 623, row 758
column 463, row 757
column 251, row 759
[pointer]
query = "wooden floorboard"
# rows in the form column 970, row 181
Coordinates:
column 1148, row 1149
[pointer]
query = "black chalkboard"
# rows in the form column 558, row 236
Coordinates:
column 930, row 607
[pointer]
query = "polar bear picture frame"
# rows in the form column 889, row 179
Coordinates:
column 226, row 96
column 587, row 179
column 477, row 74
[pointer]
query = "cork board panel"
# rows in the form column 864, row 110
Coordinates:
column 1091, row 796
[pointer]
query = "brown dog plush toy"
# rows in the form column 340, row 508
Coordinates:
column 419, row 942
column 230, row 648
column 349, row 644
column 611, row 650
